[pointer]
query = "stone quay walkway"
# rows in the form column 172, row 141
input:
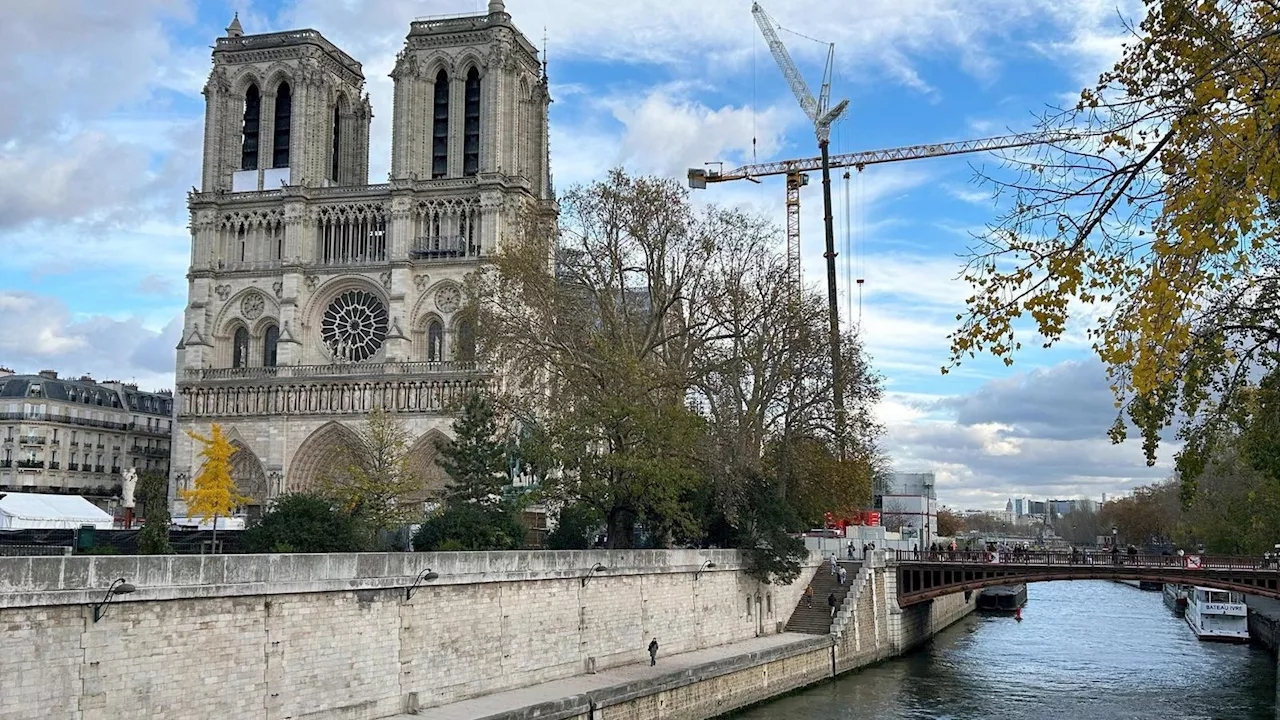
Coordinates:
column 549, row 698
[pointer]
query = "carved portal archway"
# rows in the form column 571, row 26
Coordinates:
column 249, row 476
column 422, row 462
column 321, row 454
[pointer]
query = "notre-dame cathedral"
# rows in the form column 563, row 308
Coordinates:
column 315, row 296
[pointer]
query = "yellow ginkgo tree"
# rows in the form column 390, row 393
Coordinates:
column 213, row 493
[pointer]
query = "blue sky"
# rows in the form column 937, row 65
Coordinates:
column 100, row 135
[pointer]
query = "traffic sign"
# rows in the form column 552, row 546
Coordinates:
column 1191, row 562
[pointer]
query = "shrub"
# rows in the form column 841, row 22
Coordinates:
column 304, row 523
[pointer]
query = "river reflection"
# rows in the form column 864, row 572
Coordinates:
column 1094, row 649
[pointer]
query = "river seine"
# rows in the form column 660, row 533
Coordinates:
column 1095, row 649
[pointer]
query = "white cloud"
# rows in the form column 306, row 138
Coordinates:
column 40, row 333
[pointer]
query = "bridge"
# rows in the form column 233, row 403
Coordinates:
column 923, row 576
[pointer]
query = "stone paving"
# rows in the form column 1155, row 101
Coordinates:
column 498, row 704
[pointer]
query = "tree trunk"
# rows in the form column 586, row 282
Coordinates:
column 621, row 529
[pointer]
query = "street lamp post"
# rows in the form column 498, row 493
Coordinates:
column 1115, row 548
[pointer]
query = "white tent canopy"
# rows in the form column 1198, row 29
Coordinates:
column 32, row 511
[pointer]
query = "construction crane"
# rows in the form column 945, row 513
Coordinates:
column 797, row 177
column 822, row 116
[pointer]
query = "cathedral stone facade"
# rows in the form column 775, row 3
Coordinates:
column 314, row 296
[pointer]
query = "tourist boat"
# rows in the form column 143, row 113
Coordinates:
column 1217, row 615
column 1002, row 598
column 1175, row 597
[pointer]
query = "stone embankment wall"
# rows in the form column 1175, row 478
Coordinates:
column 871, row 628
column 333, row 636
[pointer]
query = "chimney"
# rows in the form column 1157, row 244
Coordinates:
column 49, row 374
column 87, row 380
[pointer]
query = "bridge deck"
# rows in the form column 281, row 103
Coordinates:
column 923, row 576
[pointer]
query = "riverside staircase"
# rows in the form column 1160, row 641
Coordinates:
column 817, row 620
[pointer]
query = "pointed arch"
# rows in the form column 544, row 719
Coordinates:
column 270, row 342
column 340, row 123
column 471, row 123
column 320, row 455
column 240, row 347
column 249, row 131
column 428, row 339
column 464, row 340
column 248, row 473
column 421, row 461
column 440, row 126
column 281, row 124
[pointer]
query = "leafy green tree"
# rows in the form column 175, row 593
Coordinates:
column 304, row 523
column 476, row 458
column 574, row 527
column 1162, row 212
column 470, row 526
column 375, row 481
column 153, row 491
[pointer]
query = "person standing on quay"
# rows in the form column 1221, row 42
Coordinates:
column 653, row 652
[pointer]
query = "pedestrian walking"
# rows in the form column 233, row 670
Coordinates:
column 844, row 575
column 851, row 556
column 916, row 549
column 808, row 596
column 831, row 602
column 653, row 652
column 834, row 570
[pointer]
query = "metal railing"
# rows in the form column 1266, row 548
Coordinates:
column 339, row 370
column 444, row 247
column 1100, row 558
column 31, row 440
column 31, row 464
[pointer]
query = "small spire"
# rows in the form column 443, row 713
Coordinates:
column 544, row 52
column 496, row 7
column 234, row 29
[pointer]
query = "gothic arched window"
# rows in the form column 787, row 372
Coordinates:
column 269, row 342
column 280, row 136
column 240, row 348
column 334, row 165
column 440, row 128
column 466, row 349
column 435, row 341
column 252, row 112
column 471, row 125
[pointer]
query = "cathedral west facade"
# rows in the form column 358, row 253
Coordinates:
column 315, row 296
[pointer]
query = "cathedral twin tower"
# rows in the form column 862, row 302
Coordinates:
column 314, row 296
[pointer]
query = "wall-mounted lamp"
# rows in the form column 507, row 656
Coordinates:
column 119, row 587
column 594, row 569
column 708, row 565
column 425, row 576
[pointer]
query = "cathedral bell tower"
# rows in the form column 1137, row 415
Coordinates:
column 283, row 108
column 471, row 100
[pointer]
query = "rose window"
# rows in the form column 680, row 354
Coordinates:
column 354, row 326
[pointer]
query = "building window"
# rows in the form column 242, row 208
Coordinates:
column 252, row 112
column 440, row 128
column 280, row 136
column 269, row 342
column 435, row 341
column 337, row 144
column 471, row 125
column 239, row 351
column 466, row 350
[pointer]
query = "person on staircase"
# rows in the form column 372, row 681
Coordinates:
column 831, row 602
column 808, row 596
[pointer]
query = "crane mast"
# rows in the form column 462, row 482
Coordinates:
column 822, row 116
